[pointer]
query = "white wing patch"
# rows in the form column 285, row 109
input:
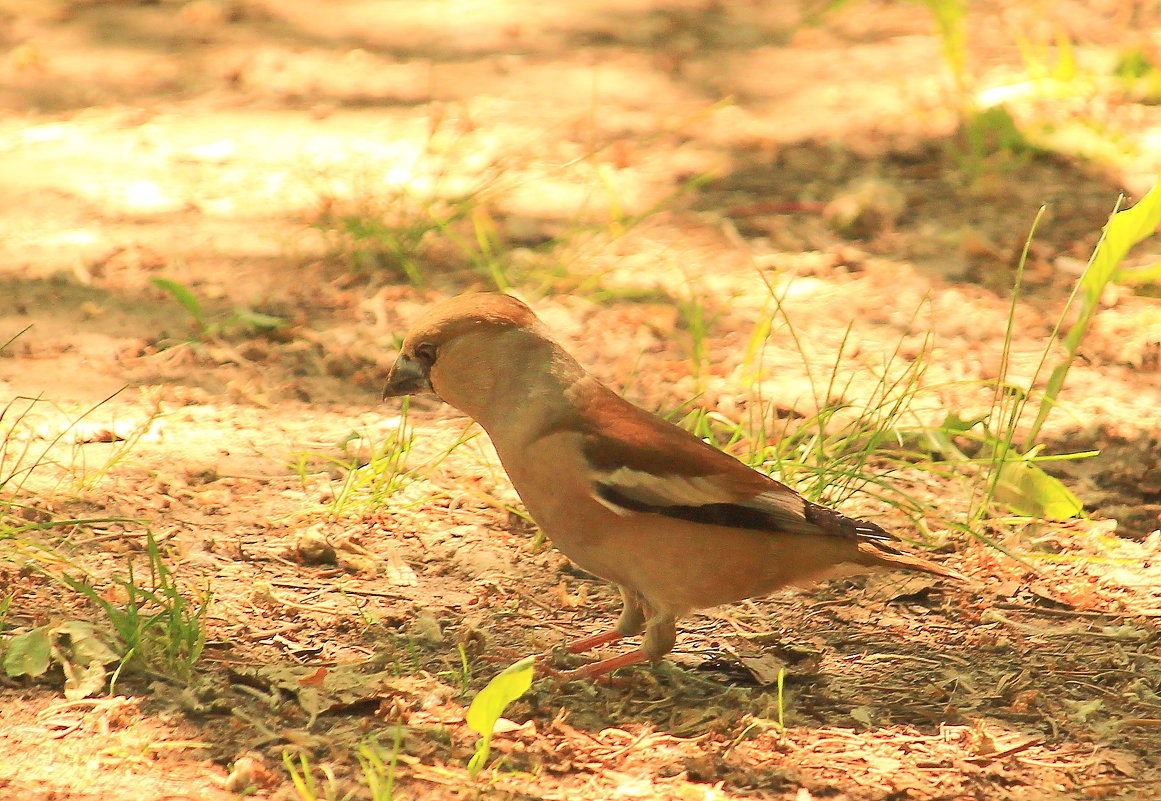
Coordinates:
column 699, row 498
column 620, row 511
column 784, row 502
column 654, row 490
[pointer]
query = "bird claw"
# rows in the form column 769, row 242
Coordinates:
column 601, row 670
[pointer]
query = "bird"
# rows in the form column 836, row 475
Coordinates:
column 675, row 523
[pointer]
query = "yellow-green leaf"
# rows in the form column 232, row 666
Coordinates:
column 28, row 653
column 1125, row 229
column 1028, row 490
column 487, row 707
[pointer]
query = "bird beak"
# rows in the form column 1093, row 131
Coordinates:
column 407, row 377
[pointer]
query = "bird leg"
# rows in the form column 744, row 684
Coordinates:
column 576, row 647
column 659, row 639
column 592, row 641
column 605, row 666
column 630, row 623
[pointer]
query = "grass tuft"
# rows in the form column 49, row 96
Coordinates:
column 156, row 625
column 848, row 446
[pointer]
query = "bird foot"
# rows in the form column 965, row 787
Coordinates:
column 581, row 645
column 604, row 667
column 592, row 641
column 594, row 670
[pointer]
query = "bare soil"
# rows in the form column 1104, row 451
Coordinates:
column 216, row 143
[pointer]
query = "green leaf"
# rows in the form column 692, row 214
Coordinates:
column 253, row 319
column 940, row 439
column 1125, row 229
column 954, row 424
column 28, row 653
column 87, row 643
column 353, row 436
column 1133, row 64
column 949, row 19
column 487, row 707
column 1028, row 490
column 1139, row 275
column 183, row 295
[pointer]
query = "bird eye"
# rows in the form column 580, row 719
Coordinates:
column 425, row 354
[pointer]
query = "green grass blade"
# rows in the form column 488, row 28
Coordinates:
column 183, row 295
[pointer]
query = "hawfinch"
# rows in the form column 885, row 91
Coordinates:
column 675, row 523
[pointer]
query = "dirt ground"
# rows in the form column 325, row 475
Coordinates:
column 643, row 172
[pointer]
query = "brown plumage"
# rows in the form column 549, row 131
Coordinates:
column 675, row 523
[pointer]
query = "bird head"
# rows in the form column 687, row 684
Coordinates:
column 465, row 348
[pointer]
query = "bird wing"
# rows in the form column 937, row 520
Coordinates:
column 641, row 463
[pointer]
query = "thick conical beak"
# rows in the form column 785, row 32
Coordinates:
column 407, row 377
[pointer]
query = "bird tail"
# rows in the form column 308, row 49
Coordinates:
column 882, row 555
